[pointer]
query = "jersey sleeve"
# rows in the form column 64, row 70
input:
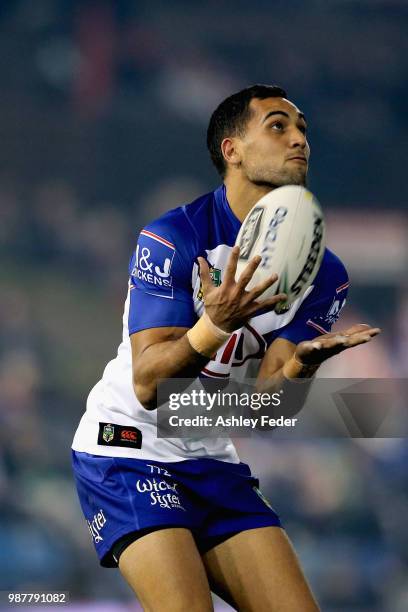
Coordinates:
column 321, row 309
column 160, row 280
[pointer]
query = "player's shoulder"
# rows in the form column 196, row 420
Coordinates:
column 332, row 267
column 175, row 238
column 183, row 223
column 332, row 279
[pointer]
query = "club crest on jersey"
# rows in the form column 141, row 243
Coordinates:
column 108, row 433
column 215, row 274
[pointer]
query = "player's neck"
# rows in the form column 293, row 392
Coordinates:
column 243, row 196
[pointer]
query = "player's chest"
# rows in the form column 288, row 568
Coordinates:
column 249, row 341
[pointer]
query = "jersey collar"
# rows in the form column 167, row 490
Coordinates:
column 226, row 211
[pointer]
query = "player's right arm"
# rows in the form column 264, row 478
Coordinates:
column 160, row 353
column 182, row 352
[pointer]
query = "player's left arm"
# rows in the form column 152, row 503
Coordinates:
column 286, row 360
column 286, row 364
column 307, row 341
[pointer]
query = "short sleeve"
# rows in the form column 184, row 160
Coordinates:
column 321, row 309
column 160, row 281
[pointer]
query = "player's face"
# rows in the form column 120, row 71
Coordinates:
column 274, row 150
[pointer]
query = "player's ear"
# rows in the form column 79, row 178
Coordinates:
column 231, row 151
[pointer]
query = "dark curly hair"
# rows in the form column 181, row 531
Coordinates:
column 231, row 116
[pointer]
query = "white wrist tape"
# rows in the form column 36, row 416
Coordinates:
column 295, row 369
column 205, row 337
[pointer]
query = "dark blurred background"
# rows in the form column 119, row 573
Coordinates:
column 104, row 108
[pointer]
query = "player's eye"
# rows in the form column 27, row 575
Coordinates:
column 278, row 125
column 302, row 128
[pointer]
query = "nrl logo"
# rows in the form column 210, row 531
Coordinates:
column 215, row 274
column 108, row 432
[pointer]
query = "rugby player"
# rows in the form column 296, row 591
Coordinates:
column 182, row 517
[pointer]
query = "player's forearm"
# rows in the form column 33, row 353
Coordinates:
column 292, row 382
column 183, row 357
column 170, row 359
column 282, row 363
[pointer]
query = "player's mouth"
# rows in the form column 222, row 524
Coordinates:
column 298, row 158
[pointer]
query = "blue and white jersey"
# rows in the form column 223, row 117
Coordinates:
column 165, row 291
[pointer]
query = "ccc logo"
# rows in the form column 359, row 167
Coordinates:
column 128, row 435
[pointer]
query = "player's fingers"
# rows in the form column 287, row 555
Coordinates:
column 204, row 272
column 308, row 347
column 259, row 289
column 357, row 339
column 373, row 331
column 345, row 340
column 336, row 343
column 324, row 336
column 326, row 342
column 356, row 328
column 337, row 340
column 268, row 303
column 248, row 273
column 359, row 327
column 231, row 267
column 326, row 346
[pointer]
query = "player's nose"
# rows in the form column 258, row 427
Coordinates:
column 297, row 138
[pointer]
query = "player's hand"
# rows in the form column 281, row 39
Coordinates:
column 316, row 351
column 229, row 306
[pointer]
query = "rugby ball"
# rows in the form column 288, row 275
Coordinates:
column 287, row 229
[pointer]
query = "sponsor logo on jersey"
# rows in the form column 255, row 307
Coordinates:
column 96, row 525
column 152, row 266
column 215, row 274
column 250, row 232
column 119, row 435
